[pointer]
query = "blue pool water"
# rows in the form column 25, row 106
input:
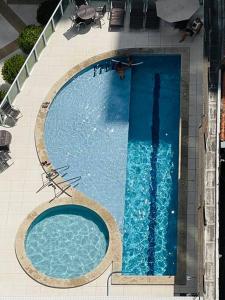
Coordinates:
column 150, row 215
column 67, row 241
column 87, row 128
column 121, row 137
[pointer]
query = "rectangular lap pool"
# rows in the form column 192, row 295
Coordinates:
column 150, row 214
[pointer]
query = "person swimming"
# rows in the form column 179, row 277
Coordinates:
column 120, row 69
column 121, row 66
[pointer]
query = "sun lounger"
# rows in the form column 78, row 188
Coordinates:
column 3, row 166
column 116, row 19
column 117, row 14
column 11, row 111
column 4, row 156
column 152, row 20
column 118, row 4
column 137, row 4
column 10, row 114
column 136, row 18
column 137, row 14
column 5, row 161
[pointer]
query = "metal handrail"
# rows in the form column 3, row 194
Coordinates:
column 71, row 180
column 115, row 272
column 110, row 275
column 33, row 51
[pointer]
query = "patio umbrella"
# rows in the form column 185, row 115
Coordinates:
column 176, row 10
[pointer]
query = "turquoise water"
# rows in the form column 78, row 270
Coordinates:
column 150, row 215
column 67, row 241
column 121, row 137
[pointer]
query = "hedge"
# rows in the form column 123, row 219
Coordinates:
column 28, row 37
column 45, row 10
column 11, row 67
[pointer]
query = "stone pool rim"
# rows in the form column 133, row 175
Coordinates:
column 184, row 53
column 110, row 255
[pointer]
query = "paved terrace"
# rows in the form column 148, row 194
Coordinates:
column 18, row 184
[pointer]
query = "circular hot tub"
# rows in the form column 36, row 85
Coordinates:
column 67, row 241
column 65, row 244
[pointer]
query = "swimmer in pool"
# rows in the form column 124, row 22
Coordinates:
column 120, row 69
column 122, row 66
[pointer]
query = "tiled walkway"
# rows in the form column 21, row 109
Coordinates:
column 11, row 17
column 26, row 12
column 7, row 32
column 18, row 184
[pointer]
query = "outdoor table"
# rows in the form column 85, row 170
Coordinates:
column 86, row 12
column 5, row 138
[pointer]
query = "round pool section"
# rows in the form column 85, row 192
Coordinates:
column 86, row 129
column 67, row 241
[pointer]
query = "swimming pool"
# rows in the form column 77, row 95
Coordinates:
column 150, row 215
column 67, row 241
column 121, row 137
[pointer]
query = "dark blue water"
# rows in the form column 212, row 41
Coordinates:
column 150, row 215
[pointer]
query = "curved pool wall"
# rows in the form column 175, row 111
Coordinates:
column 87, row 128
column 88, row 123
column 67, row 241
column 91, row 211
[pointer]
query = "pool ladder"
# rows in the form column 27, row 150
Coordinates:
column 106, row 66
column 70, row 181
column 52, row 175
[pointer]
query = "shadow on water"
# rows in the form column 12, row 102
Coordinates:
column 118, row 99
column 153, row 174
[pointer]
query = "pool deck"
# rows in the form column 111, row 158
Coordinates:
column 19, row 183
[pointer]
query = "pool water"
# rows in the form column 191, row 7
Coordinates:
column 150, row 215
column 87, row 129
column 67, row 241
column 121, row 137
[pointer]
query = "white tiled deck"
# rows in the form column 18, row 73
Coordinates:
column 19, row 183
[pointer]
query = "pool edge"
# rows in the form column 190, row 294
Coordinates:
column 112, row 253
column 184, row 52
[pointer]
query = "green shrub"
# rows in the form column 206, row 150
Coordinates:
column 28, row 37
column 11, row 67
column 45, row 10
column 2, row 95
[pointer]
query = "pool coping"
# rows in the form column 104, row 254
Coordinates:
column 112, row 254
column 184, row 52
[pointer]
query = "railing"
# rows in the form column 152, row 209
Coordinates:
column 35, row 53
column 110, row 275
column 193, row 297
